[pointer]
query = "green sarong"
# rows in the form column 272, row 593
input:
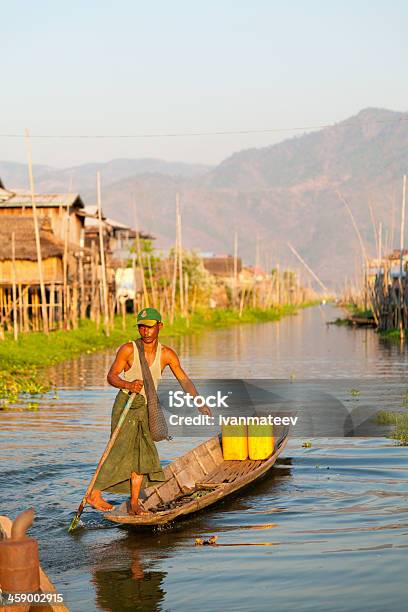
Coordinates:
column 133, row 450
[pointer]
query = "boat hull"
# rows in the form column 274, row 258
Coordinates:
column 195, row 481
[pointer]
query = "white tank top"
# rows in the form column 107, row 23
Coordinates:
column 135, row 371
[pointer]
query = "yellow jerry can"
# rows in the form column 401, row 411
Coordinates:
column 260, row 441
column 234, row 442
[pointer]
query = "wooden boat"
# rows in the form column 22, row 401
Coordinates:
column 194, row 481
column 361, row 321
column 46, row 586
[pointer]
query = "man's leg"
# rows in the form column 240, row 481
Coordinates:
column 135, row 486
column 96, row 500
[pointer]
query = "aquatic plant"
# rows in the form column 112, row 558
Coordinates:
column 400, row 422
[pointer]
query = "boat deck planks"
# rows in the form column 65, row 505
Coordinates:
column 194, row 481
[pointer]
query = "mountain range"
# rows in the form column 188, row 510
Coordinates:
column 288, row 192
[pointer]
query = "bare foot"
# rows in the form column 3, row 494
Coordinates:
column 135, row 508
column 96, row 500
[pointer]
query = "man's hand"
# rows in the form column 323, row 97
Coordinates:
column 135, row 386
column 205, row 410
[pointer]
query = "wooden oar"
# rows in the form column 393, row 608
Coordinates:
column 75, row 520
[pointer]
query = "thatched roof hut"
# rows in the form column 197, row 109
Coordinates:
column 23, row 228
column 53, row 205
column 52, row 251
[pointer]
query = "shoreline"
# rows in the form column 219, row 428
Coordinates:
column 23, row 362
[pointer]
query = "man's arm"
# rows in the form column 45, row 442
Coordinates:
column 122, row 358
column 186, row 383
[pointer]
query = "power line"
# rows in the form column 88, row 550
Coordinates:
column 199, row 134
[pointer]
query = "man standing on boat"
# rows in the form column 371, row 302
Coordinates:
column 133, row 461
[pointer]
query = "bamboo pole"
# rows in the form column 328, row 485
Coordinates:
column 111, row 309
column 102, row 254
column 93, row 282
column 65, row 267
column 308, row 268
column 14, row 282
column 139, row 257
column 186, row 287
column 37, row 235
column 74, row 305
column 82, row 304
column 242, row 301
column 353, row 221
column 52, row 306
column 98, row 305
column 134, row 283
column 75, row 520
column 151, row 279
column 402, row 227
column 26, row 306
column 174, row 279
column 35, row 300
column 180, row 255
column 20, row 307
column 235, row 269
column 60, row 307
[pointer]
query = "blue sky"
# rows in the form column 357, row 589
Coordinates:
column 87, row 67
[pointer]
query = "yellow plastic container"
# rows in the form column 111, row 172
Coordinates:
column 234, row 442
column 260, row 441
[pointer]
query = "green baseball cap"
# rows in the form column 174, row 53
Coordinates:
column 149, row 317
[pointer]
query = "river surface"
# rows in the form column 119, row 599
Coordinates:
column 328, row 529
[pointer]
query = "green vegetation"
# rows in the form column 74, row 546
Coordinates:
column 391, row 334
column 23, row 362
column 400, row 422
column 353, row 311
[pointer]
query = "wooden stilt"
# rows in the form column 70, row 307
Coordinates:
column 20, row 308
column 75, row 306
column 37, row 236
column 52, row 306
column 82, row 303
column 14, row 283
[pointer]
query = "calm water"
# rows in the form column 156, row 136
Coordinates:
column 327, row 530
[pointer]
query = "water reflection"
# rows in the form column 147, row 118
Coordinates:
column 336, row 513
column 301, row 346
column 133, row 586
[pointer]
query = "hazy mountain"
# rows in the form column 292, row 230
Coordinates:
column 81, row 178
column 271, row 195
